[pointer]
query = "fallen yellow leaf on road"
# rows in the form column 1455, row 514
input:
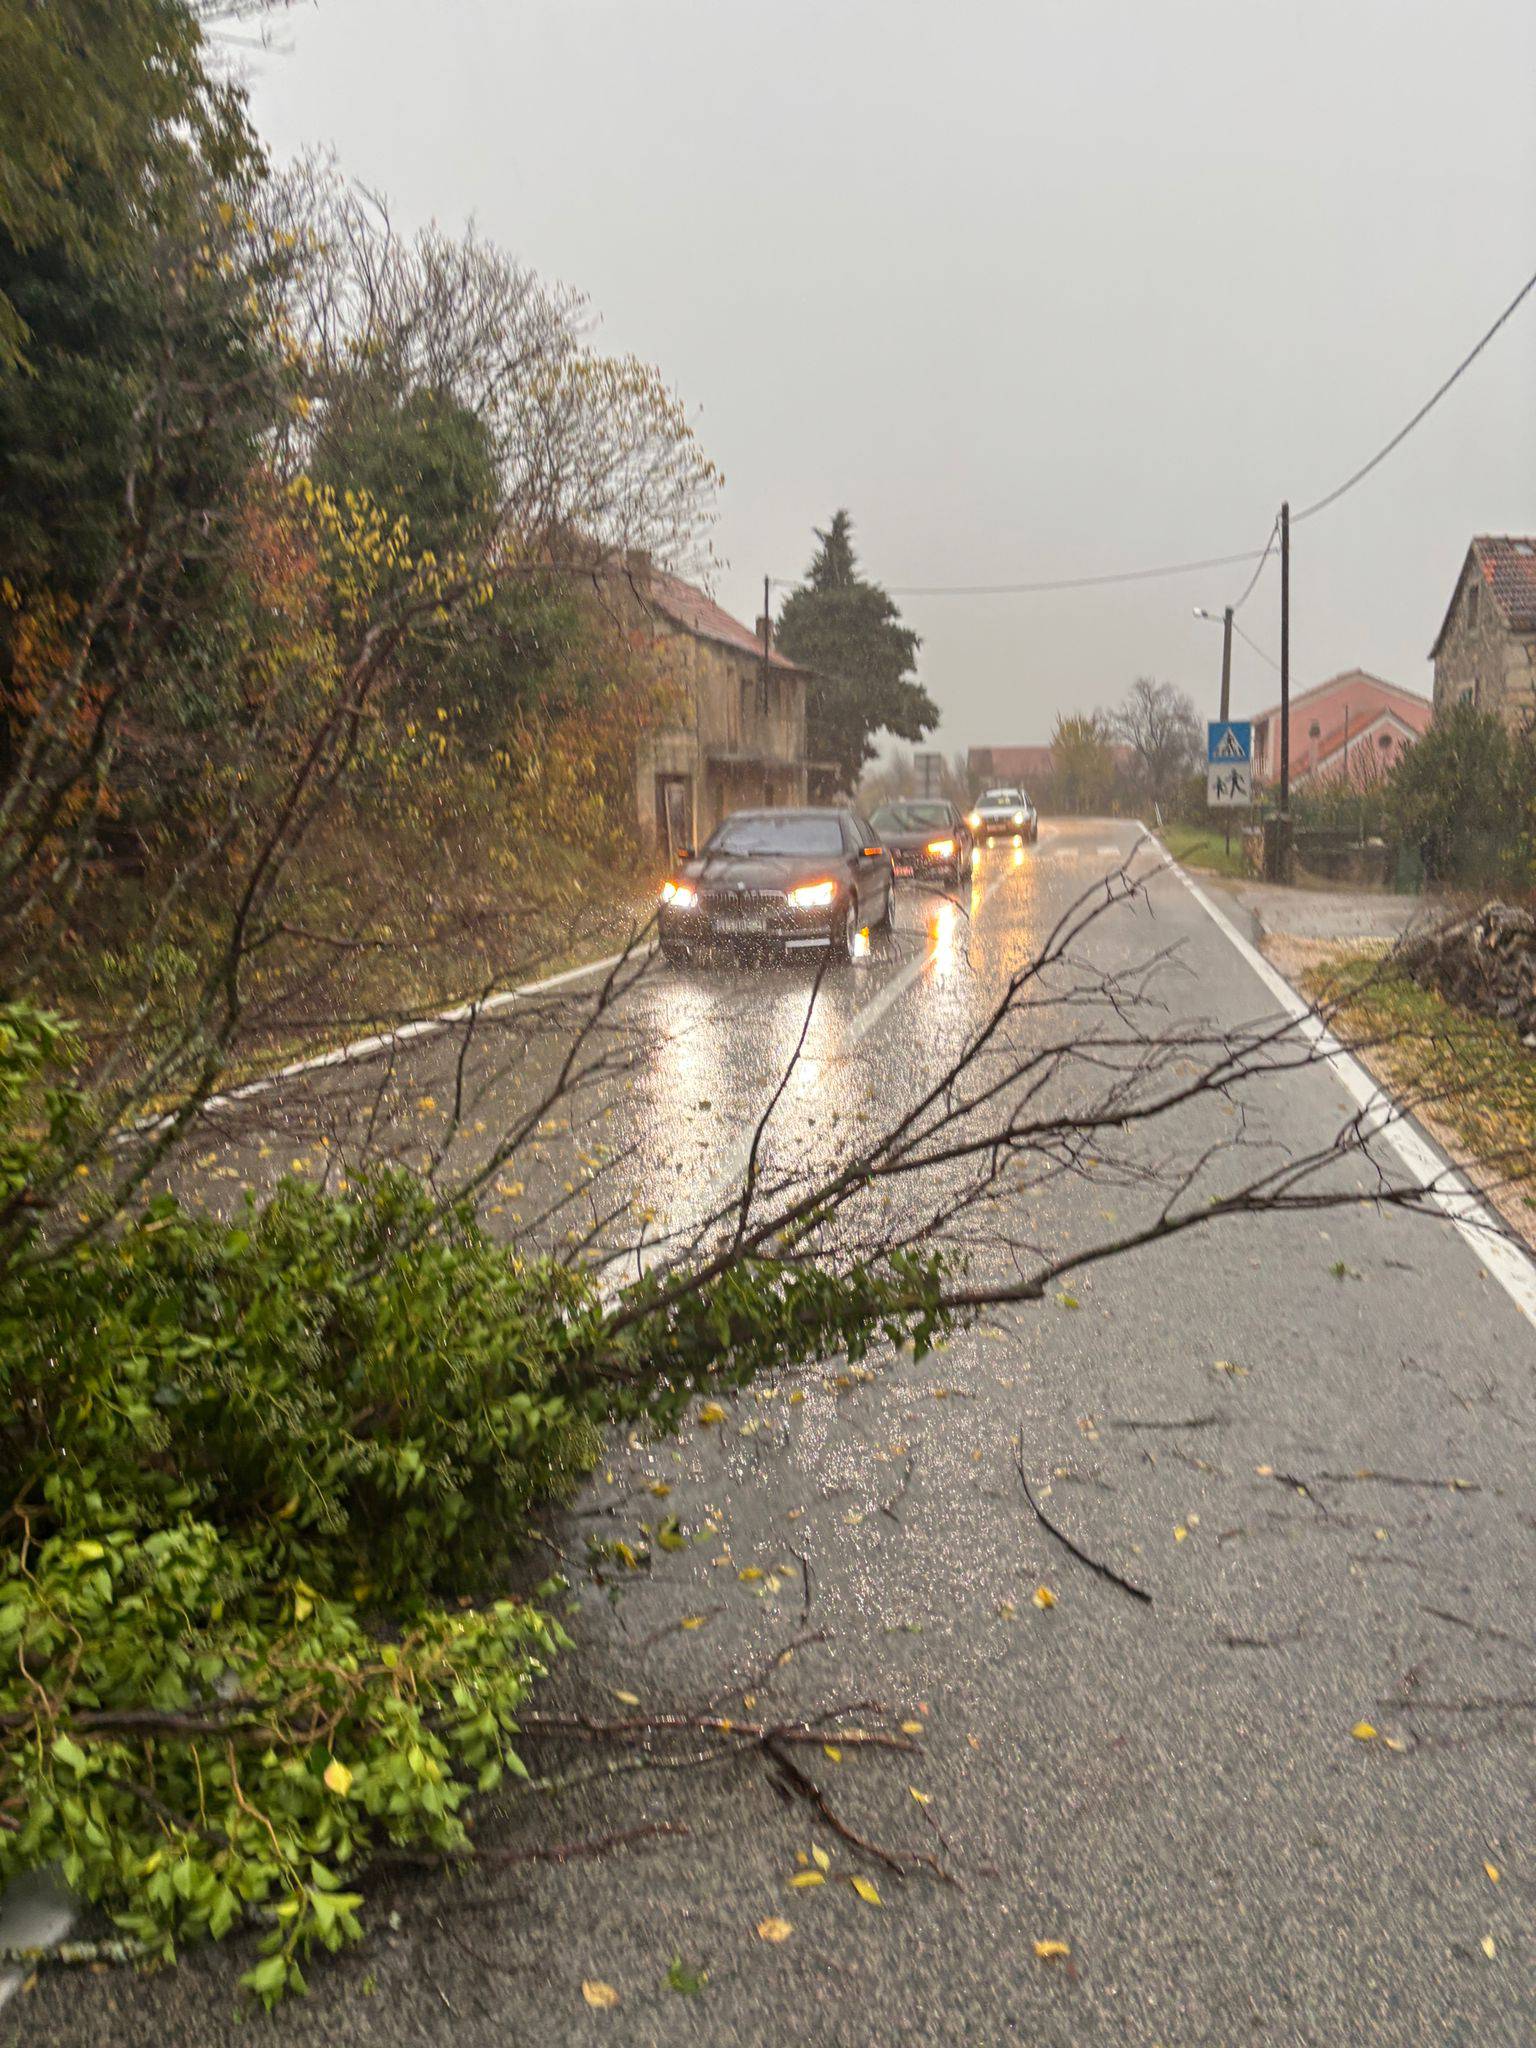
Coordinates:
column 922, row 1798
column 866, row 1891
column 1180, row 1533
column 1493, row 1872
column 749, row 1572
column 1488, row 1948
column 627, row 1699
column 803, row 1879
column 1363, row 1732
column 660, row 1488
column 598, row 1994
column 831, row 1751
column 1044, row 1597
column 911, row 1727
column 1045, row 1950
column 797, row 1397
column 1392, row 1742
column 711, row 1412
column 693, row 1620
column 820, row 1858
column 774, row 1929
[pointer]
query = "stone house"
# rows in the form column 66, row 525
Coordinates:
column 1485, row 652
column 737, row 740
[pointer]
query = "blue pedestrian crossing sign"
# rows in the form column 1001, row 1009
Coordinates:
column 1229, row 740
column 1229, row 763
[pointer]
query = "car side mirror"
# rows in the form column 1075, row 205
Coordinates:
column 871, row 852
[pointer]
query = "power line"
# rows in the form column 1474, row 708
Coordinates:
column 1333, row 497
column 1252, row 584
column 1072, row 582
column 1258, row 556
column 1262, row 653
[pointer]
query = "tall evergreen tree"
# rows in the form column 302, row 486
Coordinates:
column 849, row 634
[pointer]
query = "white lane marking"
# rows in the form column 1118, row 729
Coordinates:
column 402, row 1034
column 1504, row 1260
column 35, row 1912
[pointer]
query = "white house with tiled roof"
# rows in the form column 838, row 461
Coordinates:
column 1485, row 651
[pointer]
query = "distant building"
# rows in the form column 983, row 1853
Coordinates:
column 1351, row 728
column 1031, row 769
column 737, row 740
column 1024, row 768
column 1485, row 652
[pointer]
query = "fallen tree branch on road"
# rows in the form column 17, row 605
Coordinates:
column 1105, row 1571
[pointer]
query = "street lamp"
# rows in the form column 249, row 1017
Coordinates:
column 1226, row 653
column 1226, row 688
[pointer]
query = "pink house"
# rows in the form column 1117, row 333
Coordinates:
column 1351, row 728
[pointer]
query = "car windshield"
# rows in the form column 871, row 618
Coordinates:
column 762, row 832
column 998, row 797
column 914, row 817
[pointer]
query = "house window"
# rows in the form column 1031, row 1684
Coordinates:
column 1474, row 602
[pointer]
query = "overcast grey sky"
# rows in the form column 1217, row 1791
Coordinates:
column 1036, row 288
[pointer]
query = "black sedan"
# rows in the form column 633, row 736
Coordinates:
column 927, row 839
column 785, row 879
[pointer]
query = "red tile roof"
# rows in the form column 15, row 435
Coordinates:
column 688, row 607
column 1352, row 699
column 1507, row 562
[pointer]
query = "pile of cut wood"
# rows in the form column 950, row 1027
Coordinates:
column 1486, row 962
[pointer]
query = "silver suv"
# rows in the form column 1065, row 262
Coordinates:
column 1004, row 814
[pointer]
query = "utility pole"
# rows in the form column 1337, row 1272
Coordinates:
column 1283, row 824
column 762, row 685
column 1226, row 702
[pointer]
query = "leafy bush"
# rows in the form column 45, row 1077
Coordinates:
column 1465, row 799
column 264, row 1479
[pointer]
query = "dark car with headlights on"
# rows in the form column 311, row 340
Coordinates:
column 812, row 879
column 927, row 839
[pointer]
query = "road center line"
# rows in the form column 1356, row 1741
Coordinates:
column 1499, row 1256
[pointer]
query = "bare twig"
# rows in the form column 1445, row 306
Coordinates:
column 1104, row 1571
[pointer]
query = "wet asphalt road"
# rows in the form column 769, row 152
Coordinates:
column 1171, row 1790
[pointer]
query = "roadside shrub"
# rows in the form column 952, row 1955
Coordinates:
column 1465, row 799
column 264, row 1479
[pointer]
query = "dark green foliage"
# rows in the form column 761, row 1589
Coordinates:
column 1465, row 799
column 107, row 117
column 849, row 634
column 264, row 1482
column 420, row 454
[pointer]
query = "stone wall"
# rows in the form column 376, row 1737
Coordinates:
column 1498, row 667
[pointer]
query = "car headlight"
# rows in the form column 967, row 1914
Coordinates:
column 943, row 848
column 974, row 820
column 812, row 895
column 1018, row 817
column 681, row 895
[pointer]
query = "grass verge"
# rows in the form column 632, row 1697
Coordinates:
column 1204, row 846
column 1479, row 1080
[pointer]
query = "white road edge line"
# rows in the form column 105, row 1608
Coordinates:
column 403, row 1034
column 1502, row 1259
